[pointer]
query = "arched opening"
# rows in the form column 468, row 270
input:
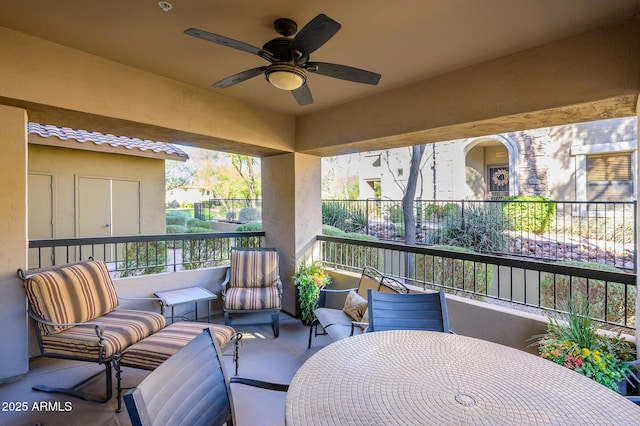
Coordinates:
column 490, row 171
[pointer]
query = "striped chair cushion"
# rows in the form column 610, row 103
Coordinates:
column 75, row 293
column 253, row 269
column 122, row 328
column 252, row 298
column 149, row 353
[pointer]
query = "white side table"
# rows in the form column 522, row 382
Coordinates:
column 179, row 296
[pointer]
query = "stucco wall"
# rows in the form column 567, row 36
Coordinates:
column 13, row 242
column 65, row 164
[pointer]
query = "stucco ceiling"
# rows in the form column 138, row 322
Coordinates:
column 405, row 41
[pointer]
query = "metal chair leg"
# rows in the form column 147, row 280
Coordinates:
column 275, row 318
column 75, row 389
column 314, row 323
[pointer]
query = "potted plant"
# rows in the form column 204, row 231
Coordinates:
column 309, row 280
column 573, row 340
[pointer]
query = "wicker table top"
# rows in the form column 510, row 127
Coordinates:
column 421, row 377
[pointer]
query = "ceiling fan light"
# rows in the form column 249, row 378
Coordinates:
column 285, row 76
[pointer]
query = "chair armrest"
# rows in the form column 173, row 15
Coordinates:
column 324, row 291
column 98, row 325
column 355, row 324
column 334, row 290
column 224, row 284
column 279, row 285
column 260, row 384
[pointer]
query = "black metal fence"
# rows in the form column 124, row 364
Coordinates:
column 530, row 285
column 143, row 254
column 232, row 210
column 595, row 232
column 543, row 286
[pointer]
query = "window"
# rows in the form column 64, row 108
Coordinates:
column 609, row 177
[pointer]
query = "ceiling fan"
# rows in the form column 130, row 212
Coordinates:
column 289, row 57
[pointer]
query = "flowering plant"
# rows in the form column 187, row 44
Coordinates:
column 576, row 344
column 309, row 280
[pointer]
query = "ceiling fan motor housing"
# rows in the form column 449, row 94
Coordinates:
column 279, row 48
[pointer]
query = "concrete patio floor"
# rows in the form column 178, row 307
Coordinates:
column 261, row 357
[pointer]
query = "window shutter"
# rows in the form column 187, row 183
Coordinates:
column 607, row 168
column 609, row 177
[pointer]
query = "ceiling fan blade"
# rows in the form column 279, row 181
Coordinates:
column 344, row 72
column 239, row 78
column 229, row 42
column 313, row 35
column 303, row 95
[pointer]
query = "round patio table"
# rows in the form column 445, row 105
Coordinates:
column 408, row 377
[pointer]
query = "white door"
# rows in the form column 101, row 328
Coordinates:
column 107, row 207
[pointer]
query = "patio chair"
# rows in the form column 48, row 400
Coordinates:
column 253, row 285
column 76, row 316
column 352, row 318
column 190, row 388
column 416, row 311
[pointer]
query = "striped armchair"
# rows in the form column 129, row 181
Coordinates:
column 252, row 284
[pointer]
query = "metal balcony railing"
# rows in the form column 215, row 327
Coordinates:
column 144, row 254
column 525, row 284
column 517, row 282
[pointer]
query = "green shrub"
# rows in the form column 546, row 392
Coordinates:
column 353, row 256
column 204, row 253
column 176, row 229
column 176, row 217
column 198, row 230
column 332, row 231
column 197, row 223
column 595, row 292
column 334, row 214
column 249, row 214
column 144, row 258
column 359, row 236
column 250, row 227
column 461, row 276
column 432, row 211
column 357, row 221
column 529, row 213
column 395, row 213
column 450, row 209
column 479, row 229
column 249, row 241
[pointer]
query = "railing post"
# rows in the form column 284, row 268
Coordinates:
column 635, row 237
column 367, row 213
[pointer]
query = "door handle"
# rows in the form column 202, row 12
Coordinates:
column 107, row 225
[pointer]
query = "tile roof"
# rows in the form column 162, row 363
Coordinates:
column 142, row 147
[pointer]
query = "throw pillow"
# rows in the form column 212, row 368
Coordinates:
column 355, row 305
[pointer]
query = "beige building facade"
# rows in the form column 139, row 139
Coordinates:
column 601, row 165
column 88, row 184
